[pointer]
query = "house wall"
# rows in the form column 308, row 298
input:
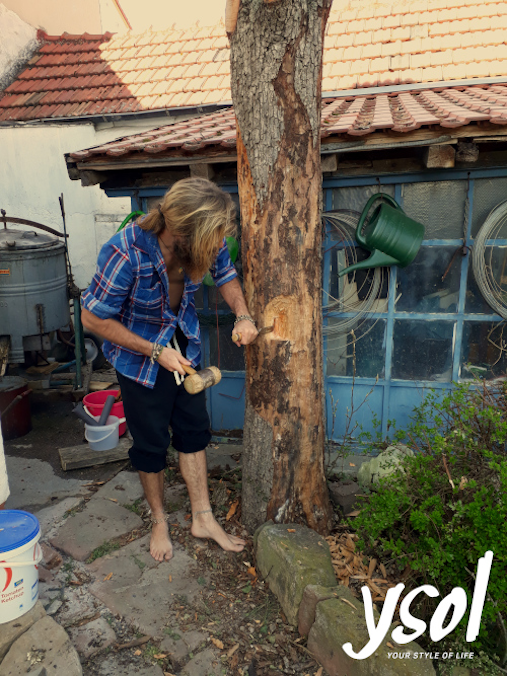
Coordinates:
column 33, row 174
column 18, row 42
column 71, row 16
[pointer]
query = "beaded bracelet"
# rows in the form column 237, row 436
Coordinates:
column 156, row 351
column 240, row 318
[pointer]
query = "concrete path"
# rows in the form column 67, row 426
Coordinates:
column 124, row 592
column 33, row 484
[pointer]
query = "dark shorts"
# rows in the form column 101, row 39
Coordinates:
column 150, row 413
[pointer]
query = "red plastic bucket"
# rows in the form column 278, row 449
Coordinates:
column 95, row 401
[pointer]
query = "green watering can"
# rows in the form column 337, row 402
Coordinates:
column 391, row 236
column 233, row 248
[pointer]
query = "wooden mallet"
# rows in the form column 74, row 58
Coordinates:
column 197, row 381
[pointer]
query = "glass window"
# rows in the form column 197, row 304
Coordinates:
column 422, row 349
column 488, row 192
column 349, row 292
column 356, row 198
column 420, row 285
column 366, row 348
column 223, row 352
column 439, row 206
column 475, row 303
column 483, row 352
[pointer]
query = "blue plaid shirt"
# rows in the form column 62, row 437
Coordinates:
column 131, row 286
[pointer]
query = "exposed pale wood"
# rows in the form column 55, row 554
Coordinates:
column 202, row 170
column 276, row 64
column 45, row 369
column 439, row 157
column 98, row 385
column 77, row 457
column 329, row 162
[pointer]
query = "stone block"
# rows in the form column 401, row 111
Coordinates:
column 78, row 605
column 45, row 644
column 93, row 637
column 51, row 518
column 101, row 521
column 179, row 648
column 385, row 464
column 206, row 663
column 124, row 487
column 139, row 587
column 51, row 559
column 312, row 595
column 290, row 557
column 115, row 665
column 11, row 631
column 343, row 493
column 337, row 623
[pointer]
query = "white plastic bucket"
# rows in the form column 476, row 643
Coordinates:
column 20, row 554
column 105, row 437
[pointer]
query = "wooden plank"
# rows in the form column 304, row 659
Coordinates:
column 202, row 170
column 439, row 157
column 98, row 385
column 77, row 457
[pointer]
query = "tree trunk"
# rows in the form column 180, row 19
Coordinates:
column 276, row 66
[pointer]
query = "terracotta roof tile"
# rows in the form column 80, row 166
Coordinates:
column 366, row 45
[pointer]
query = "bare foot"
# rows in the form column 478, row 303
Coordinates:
column 206, row 526
column 160, row 545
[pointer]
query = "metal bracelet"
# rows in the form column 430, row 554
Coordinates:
column 160, row 519
column 240, row 318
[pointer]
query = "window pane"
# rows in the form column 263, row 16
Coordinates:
column 369, row 350
column 475, row 303
column 223, row 352
column 422, row 350
column 488, row 192
column 354, row 288
column 438, row 205
column 356, row 198
column 420, row 284
column 483, row 352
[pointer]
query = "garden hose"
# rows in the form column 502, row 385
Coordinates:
column 131, row 216
column 482, row 260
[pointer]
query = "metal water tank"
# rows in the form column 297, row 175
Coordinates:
column 33, row 289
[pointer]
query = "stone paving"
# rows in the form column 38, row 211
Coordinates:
column 87, row 609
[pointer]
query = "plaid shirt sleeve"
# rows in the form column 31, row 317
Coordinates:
column 111, row 283
column 223, row 270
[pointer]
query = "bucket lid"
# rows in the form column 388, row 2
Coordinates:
column 17, row 528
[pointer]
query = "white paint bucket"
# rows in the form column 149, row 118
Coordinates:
column 104, row 437
column 20, row 554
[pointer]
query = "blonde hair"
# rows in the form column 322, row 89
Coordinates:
column 200, row 215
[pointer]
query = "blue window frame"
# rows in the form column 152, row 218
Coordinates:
column 426, row 340
column 401, row 358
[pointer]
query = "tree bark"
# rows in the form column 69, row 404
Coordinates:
column 276, row 70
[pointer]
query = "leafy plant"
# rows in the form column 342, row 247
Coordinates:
column 445, row 507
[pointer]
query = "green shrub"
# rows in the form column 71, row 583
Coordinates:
column 439, row 529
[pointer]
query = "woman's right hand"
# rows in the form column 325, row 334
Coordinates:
column 172, row 360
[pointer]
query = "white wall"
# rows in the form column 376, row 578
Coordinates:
column 18, row 40
column 33, row 174
column 59, row 16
